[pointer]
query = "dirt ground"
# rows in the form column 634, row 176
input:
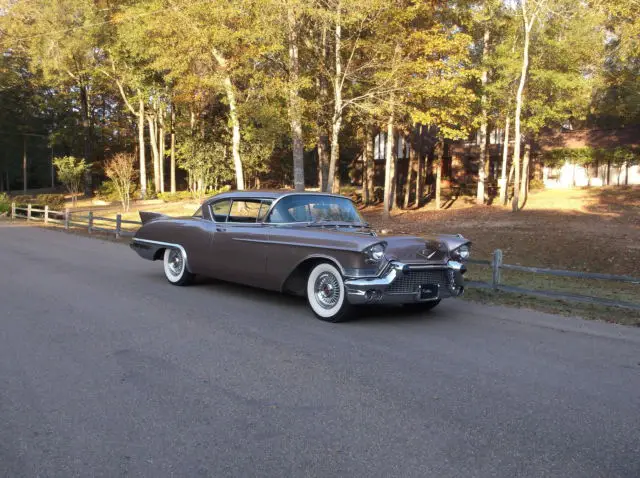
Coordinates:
column 585, row 229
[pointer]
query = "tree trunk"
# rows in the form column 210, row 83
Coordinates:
column 505, row 158
column 295, row 106
column 152, row 120
column 524, row 183
column 143, row 163
column 528, row 24
column 390, row 170
column 161, row 147
column 24, row 163
column 173, row 149
column 412, row 168
column 87, row 133
column 482, row 161
column 323, row 135
column 439, row 154
column 421, row 168
column 371, row 173
column 233, row 116
column 336, row 123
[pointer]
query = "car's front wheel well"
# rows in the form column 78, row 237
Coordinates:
column 159, row 254
column 296, row 282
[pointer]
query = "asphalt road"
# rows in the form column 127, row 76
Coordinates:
column 107, row 370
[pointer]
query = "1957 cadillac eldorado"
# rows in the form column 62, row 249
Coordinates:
column 311, row 244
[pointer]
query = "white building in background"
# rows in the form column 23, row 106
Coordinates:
column 573, row 175
column 601, row 174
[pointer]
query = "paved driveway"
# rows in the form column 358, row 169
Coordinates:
column 107, row 370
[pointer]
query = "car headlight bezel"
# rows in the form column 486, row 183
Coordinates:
column 374, row 254
column 462, row 253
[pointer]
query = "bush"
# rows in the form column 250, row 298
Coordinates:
column 536, row 184
column 107, row 192
column 188, row 195
column 54, row 201
column 5, row 203
column 177, row 196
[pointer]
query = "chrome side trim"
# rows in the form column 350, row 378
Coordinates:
column 165, row 244
column 285, row 243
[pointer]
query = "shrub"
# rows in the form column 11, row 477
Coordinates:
column 536, row 184
column 177, row 196
column 71, row 173
column 107, row 191
column 5, row 203
column 54, row 201
column 188, row 195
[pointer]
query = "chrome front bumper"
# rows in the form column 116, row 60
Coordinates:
column 390, row 287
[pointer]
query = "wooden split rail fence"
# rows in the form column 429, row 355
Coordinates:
column 70, row 219
column 497, row 266
column 88, row 221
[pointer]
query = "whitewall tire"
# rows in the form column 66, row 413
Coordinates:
column 175, row 267
column 326, row 293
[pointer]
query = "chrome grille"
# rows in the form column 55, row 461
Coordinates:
column 409, row 282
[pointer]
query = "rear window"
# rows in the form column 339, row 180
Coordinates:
column 244, row 211
column 220, row 210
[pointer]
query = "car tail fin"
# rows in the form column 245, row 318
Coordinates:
column 146, row 217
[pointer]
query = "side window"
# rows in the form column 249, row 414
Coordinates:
column 220, row 210
column 198, row 213
column 264, row 209
column 244, row 211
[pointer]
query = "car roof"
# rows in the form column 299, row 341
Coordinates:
column 263, row 194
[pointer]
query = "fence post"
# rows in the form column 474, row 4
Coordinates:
column 29, row 212
column 496, row 264
column 13, row 211
column 46, row 214
column 90, row 222
column 118, row 225
column 66, row 218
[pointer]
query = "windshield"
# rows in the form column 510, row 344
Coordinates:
column 314, row 209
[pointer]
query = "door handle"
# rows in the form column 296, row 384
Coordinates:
column 221, row 229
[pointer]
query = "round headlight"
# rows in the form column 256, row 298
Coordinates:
column 463, row 252
column 375, row 253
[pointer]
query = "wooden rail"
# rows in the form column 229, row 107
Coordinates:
column 497, row 266
column 68, row 219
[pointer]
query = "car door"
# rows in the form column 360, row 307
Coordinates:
column 240, row 241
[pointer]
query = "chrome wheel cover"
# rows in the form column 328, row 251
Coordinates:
column 327, row 290
column 175, row 263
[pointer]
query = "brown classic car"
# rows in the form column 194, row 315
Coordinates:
column 311, row 244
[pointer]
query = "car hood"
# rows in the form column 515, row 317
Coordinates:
column 433, row 249
column 406, row 248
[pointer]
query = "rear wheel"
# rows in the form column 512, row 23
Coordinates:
column 326, row 293
column 421, row 306
column 175, row 267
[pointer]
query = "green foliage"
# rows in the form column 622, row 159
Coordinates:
column 5, row 203
column 55, row 201
column 107, row 191
column 176, row 197
column 188, row 195
column 71, row 173
column 586, row 156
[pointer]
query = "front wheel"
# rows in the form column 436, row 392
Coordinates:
column 175, row 267
column 326, row 293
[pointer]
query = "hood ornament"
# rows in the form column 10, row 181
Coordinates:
column 427, row 253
